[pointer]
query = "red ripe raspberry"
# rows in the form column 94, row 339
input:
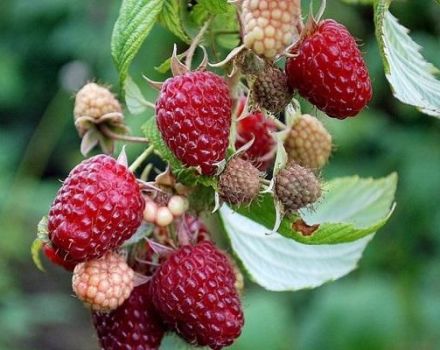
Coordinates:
column 262, row 151
column 98, row 207
column 51, row 254
column 330, row 72
column 194, row 293
column 194, row 116
column 134, row 325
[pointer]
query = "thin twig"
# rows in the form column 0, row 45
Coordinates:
column 115, row 136
column 195, row 43
column 139, row 160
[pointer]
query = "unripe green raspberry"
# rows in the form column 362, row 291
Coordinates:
column 270, row 26
column 296, row 187
column 240, row 182
column 271, row 91
column 308, row 143
column 103, row 284
column 94, row 102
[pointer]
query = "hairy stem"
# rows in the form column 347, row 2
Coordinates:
column 118, row 137
column 195, row 43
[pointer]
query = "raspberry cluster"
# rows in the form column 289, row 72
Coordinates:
column 141, row 259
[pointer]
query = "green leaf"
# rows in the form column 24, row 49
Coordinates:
column 412, row 78
column 42, row 231
column 188, row 176
column 36, row 247
column 280, row 264
column 206, row 8
column 134, row 99
column 135, row 21
column 171, row 18
column 351, row 208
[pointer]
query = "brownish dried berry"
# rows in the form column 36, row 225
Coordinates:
column 271, row 90
column 296, row 187
column 240, row 182
column 308, row 143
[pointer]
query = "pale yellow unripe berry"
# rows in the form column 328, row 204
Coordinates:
column 308, row 143
column 177, row 205
column 103, row 284
column 150, row 211
column 164, row 217
column 94, row 100
column 270, row 26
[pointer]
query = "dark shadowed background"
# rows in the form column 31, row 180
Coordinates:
column 48, row 48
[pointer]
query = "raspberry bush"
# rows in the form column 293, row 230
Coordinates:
column 238, row 158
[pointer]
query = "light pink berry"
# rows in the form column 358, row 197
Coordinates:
column 103, row 284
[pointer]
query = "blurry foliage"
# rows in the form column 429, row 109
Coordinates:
column 48, row 48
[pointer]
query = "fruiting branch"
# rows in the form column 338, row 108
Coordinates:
column 139, row 160
column 197, row 39
column 119, row 137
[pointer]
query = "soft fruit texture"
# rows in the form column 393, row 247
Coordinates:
column 262, row 151
column 240, row 182
column 103, row 284
column 308, row 143
column 271, row 90
column 98, row 207
column 134, row 325
column 296, row 187
column 194, row 293
column 269, row 26
column 51, row 254
column 94, row 101
column 329, row 71
column 194, row 116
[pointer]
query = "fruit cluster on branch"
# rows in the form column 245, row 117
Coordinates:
column 142, row 259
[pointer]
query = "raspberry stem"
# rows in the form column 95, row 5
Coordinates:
column 118, row 137
column 139, row 160
column 195, row 43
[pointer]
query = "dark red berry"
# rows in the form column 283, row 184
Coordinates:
column 98, row 207
column 51, row 254
column 194, row 116
column 194, row 293
column 135, row 325
column 262, row 151
column 329, row 71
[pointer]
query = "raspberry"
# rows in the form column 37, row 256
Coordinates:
column 262, row 151
column 95, row 101
column 271, row 90
column 240, row 182
column 194, row 116
column 134, row 325
column 269, row 26
column 308, row 143
column 98, row 207
column 103, row 284
column 51, row 254
column 194, row 293
column 296, row 187
column 330, row 72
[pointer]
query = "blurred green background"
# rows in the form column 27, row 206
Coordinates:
column 48, row 48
